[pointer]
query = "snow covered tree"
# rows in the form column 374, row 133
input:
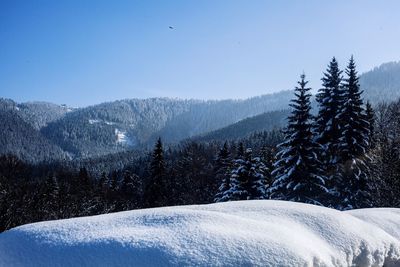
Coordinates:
column 297, row 174
column 156, row 194
column 386, row 155
column 248, row 178
column 195, row 176
column 49, row 201
column 240, row 151
column 131, row 189
column 353, row 141
column 354, row 187
column 327, row 124
column 267, row 157
column 222, row 170
column 370, row 117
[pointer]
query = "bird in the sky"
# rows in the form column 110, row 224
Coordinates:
column 171, row 28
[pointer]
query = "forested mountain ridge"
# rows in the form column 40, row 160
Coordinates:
column 37, row 113
column 267, row 121
column 118, row 125
column 121, row 125
column 20, row 138
column 382, row 83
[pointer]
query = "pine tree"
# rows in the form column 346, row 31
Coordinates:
column 327, row 124
column 195, row 177
column 4, row 199
column 131, row 189
column 370, row 118
column 248, row 178
column 354, row 187
column 240, row 151
column 297, row 174
column 267, row 157
column 222, row 170
column 155, row 194
column 50, row 199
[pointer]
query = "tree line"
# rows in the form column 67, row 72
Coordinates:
column 337, row 158
column 345, row 156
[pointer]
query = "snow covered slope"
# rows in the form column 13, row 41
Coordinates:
column 243, row 233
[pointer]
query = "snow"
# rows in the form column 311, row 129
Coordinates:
column 240, row 233
column 93, row 121
column 122, row 138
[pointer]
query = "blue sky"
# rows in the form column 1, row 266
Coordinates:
column 86, row 52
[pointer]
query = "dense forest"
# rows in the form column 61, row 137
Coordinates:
column 342, row 153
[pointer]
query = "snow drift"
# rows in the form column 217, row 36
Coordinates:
column 242, row 233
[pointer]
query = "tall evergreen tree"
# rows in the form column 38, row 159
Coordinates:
column 370, row 118
column 267, row 157
column 354, row 187
column 156, row 191
column 298, row 175
column 50, row 199
column 248, row 178
column 240, row 151
column 194, row 178
column 131, row 189
column 222, row 171
column 327, row 124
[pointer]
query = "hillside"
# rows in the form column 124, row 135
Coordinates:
column 136, row 123
column 242, row 233
column 120, row 125
column 264, row 122
column 382, row 83
column 20, row 138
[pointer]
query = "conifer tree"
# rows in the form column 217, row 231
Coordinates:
column 131, row 190
column 267, row 157
column 327, row 124
column 248, row 178
column 156, row 194
column 222, row 170
column 240, row 151
column 50, row 199
column 297, row 174
column 370, row 118
column 354, row 187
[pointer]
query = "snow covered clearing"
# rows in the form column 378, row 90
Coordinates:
column 122, row 138
column 242, row 233
column 93, row 121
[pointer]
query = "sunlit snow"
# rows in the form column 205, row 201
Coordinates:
column 243, row 233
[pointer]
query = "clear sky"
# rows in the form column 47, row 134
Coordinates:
column 82, row 52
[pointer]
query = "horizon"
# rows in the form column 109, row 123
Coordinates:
column 313, row 92
column 82, row 54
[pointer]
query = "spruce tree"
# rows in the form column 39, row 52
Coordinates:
column 131, row 190
column 155, row 194
column 240, row 151
column 297, row 174
column 49, row 203
column 354, row 187
column 248, row 178
column 267, row 157
column 222, row 170
column 327, row 123
column 370, row 118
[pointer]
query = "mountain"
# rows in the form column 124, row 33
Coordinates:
column 236, row 233
column 20, row 138
column 39, row 114
column 120, row 125
column 264, row 122
column 382, row 83
column 136, row 123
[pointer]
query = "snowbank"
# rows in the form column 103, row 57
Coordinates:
column 243, row 233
